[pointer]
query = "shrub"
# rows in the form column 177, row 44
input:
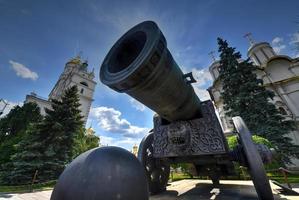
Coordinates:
column 233, row 141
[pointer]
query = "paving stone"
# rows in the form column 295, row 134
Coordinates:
column 185, row 190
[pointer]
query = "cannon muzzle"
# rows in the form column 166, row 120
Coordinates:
column 140, row 64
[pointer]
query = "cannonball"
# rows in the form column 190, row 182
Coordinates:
column 104, row 173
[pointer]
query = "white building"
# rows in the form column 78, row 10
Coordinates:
column 279, row 73
column 75, row 73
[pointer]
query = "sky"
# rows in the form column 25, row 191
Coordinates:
column 37, row 38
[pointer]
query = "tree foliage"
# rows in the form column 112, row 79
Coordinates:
column 244, row 95
column 48, row 145
column 187, row 168
column 18, row 119
column 85, row 142
column 233, row 141
column 13, row 127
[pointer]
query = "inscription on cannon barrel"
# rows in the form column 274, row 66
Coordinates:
column 201, row 136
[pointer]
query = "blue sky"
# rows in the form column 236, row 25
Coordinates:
column 38, row 37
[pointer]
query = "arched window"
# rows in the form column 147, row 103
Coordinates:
column 84, row 83
column 282, row 111
column 82, row 90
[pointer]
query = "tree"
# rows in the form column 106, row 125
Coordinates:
column 85, row 141
column 244, row 95
column 67, row 120
column 233, row 141
column 50, row 144
column 18, row 119
column 12, row 130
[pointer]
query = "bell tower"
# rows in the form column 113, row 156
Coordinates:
column 76, row 73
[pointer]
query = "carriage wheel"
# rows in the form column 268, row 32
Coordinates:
column 157, row 171
column 254, row 162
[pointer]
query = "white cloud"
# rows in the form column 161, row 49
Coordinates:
column 22, row 71
column 124, row 142
column 278, row 45
column 137, row 105
column 110, row 120
column 128, row 141
column 203, row 94
column 295, row 38
column 203, row 79
column 8, row 107
column 202, row 76
column 277, row 40
column 107, row 141
column 278, row 49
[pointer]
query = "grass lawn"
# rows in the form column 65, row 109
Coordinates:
column 179, row 176
column 27, row 188
column 278, row 178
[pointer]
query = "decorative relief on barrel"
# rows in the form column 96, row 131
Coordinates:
column 200, row 136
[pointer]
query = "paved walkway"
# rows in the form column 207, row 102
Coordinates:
column 203, row 189
column 43, row 195
column 184, row 190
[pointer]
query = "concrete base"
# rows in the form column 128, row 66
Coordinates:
column 187, row 190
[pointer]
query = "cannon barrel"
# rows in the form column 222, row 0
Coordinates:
column 140, row 64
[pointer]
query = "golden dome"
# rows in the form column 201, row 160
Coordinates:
column 90, row 131
column 76, row 60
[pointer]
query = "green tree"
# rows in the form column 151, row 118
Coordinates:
column 233, row 141
column 50, row 144
column 18, row 119
column 86, row 141
column 13, row 129
column 244, row 95
column 92, row 141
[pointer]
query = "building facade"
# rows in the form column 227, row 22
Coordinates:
column 279, row 73
column 75, row 73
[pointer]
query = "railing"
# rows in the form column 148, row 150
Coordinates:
column 28, row 188
column 285, row 173
column 33, row 180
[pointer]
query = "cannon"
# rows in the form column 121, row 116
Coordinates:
column 185, row 129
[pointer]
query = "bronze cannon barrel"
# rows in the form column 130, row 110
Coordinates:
column 140, row 64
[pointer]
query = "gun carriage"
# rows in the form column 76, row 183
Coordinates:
column 185, row 129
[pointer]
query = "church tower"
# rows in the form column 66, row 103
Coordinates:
column 260, row 53
column 135, row 150
column 76, row 73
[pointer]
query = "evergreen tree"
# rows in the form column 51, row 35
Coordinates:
column 18, row 119
column 244, row 95
column 12, row 130
column 67, row 120
column 50, row 144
